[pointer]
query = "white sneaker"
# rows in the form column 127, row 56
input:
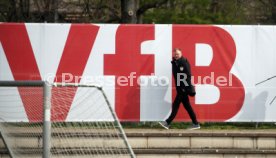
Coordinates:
column 164, row 124
column 194, row 126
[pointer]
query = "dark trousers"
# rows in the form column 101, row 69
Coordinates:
column 185, row 101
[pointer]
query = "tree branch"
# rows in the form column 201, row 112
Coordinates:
column 148, row 6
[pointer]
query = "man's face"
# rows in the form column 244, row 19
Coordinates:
column 177, row 54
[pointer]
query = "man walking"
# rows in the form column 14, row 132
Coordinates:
column 182, row 76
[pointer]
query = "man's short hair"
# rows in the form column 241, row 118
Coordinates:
column 177, row 49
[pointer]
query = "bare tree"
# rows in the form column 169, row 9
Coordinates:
column 273, row 10
column 128, row 11
column 148, row 6
column 137, row 11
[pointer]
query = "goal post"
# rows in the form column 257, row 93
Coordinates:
column 96, row 132
column 4, row 133
column 46, row 120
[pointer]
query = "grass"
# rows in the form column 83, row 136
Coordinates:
column 204, row 125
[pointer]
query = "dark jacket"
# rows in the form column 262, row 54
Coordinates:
column 182, row 67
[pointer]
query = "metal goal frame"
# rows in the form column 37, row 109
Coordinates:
column 47, row 111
